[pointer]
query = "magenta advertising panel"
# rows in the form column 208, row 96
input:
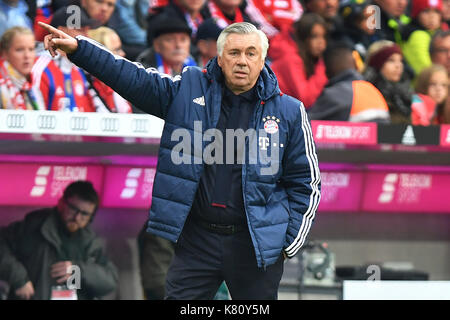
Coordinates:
column 445, row 135
column 128, row 187
column 341, row 191
column 42, row 184
column 344, row 132
column 393, row 191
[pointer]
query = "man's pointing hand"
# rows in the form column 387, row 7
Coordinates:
column 56, row 39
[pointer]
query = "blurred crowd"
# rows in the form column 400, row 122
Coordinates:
column 351, row 60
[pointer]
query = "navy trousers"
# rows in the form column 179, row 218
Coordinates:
column 204, row 259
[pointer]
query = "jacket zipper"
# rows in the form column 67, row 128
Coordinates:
column 244, row 181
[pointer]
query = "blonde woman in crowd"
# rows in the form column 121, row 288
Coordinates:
column 17, row 56
column 105, row 98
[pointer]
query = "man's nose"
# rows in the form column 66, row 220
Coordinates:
column 242, row 60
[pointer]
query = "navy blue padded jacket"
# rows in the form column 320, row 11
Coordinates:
column 281, row 193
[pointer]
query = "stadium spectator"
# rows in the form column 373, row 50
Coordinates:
column 297, row 58
column 328, row 10
column 100, row 10
column 445, row 14
column 440, row 49
column 13, row 13
column 223, row 232
column 17, row 56
column 357, row 28
column 63, row 85
column 206, row 41
column 385, row 70
column 43, row 11
column 347, row 96
column 432, row 82
column 227, row 12
column 192, row 12
column 274, row 16
column 125, row 20
column 169, row 53
column 392, row 20
column 442, row 114
column 105, row 98
column 44, row 246
column 426, row 19
column 120, row 16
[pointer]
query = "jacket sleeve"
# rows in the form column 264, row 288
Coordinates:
column 99, row 275
column 11, row 269
column 149, row 90
column 301, row 179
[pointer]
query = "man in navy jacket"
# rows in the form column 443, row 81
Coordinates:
column 234, row 220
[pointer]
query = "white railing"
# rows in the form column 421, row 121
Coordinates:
column 80, row 123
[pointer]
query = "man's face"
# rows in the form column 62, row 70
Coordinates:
column 229, row 3
column 441, row 53
column 446, row 10
column 192, row 5
column 75, row 212
column 241, row 61
column 100, row 10
column 326, row 8
column 207, row 48
column 173, row 47
column 393, row 7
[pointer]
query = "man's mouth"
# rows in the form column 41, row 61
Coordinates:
column 240, row 73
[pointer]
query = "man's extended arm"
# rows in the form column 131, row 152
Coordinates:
column 301, row 178
column 148, row 90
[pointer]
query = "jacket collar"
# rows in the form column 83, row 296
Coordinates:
column 347, row 75
column 266, row 85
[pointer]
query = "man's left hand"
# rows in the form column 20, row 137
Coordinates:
column 61, row 271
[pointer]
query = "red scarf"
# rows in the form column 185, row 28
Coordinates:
column 221, row 20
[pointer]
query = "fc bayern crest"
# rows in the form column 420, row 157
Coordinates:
column 271, row 126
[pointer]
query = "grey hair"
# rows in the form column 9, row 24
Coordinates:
column 242, row 28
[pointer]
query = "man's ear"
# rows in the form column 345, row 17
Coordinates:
column 219, row 61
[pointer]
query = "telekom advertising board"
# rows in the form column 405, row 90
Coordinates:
column 445, row 135
column 341, row 188
column 42, row 184
column 391, row 191
column 345, row 188
column 128, row 187
column 344, row 132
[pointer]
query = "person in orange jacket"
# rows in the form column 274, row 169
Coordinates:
column 347, row 96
